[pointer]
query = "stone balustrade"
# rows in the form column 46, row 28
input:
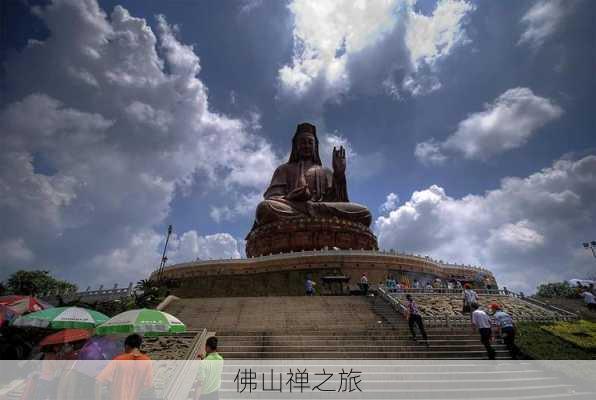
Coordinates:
column 443, row 307
column 348, row 252
column 426, row 264
column 89, row 295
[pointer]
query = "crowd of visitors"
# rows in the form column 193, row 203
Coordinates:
column 394, row 285
column 430, row 285
column 490, row 325
column 503, row 325
column 118, row 378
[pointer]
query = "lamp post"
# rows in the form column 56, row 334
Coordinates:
column 164, row 258
column 592, row 246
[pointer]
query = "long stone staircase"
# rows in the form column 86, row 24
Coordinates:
column 270, row 337
column 321, row 327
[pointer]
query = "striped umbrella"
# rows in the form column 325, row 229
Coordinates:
column 142, row 321
column 62, row 318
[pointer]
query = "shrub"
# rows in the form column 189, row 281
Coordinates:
column 558, row 289
column 581, row 333
column 537, row 343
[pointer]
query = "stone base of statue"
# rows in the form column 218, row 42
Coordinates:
column 300, row 234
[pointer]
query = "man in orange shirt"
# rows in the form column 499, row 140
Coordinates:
column 128, row 373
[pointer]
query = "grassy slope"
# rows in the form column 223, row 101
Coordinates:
column 539, row 344
column 582, row 333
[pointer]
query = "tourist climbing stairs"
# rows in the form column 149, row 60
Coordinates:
column 332, row 327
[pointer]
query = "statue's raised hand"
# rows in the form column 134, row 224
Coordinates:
column 339, row 160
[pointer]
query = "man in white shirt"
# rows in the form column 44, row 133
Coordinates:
column 481, row 321
column 589, row 299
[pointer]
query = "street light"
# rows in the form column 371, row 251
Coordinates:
column 164, row 258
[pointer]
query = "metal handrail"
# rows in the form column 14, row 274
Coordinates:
column 570, row 314
column 178, row 385
column 395, row 303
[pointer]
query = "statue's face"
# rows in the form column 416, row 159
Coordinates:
column 306, row 145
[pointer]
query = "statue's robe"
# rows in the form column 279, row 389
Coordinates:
column 328, row 196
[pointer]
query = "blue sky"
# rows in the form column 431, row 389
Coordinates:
column 470, row 127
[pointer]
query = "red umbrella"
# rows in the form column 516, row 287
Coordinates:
column 65, row 336
column 6, row 314
column 23, row 304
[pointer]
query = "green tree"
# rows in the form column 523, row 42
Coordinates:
column 146, row 285
column 35, row 283
column 556, row 289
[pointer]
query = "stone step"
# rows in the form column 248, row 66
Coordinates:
column 327, row 328
column 469, row 354
column 425, row 384
column 530, row 392
column 281, row 341
column 350, row 335
column 332, row 330
column 386, row 371
column 349, row 349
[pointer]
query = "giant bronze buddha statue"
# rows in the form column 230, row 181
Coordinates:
column 302, row 189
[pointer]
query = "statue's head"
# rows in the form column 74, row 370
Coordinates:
column 305, row 144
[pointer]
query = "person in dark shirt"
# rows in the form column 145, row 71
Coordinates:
column 414, row 317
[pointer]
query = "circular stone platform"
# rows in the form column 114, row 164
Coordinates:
column 309, row 234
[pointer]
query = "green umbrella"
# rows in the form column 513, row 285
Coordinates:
column 62, row 318
column 142, row 321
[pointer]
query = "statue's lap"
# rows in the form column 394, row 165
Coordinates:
column 273, row 210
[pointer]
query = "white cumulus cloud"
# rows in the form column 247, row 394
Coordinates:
column 358, row 165
column 122, row 123
column 527, row 231
column 429, row 152
column 243, row 204
column 343, row 45
column 434, row 36
column 391, row 203
column 191, row 246
column 506, row 124
column 543, row 19
column 15, row 250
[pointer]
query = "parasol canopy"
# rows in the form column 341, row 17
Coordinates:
column 7, row 314
column 65, row 336
column 102, row 347
column 62, row 318
column 24, row 304
column 142, row 321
